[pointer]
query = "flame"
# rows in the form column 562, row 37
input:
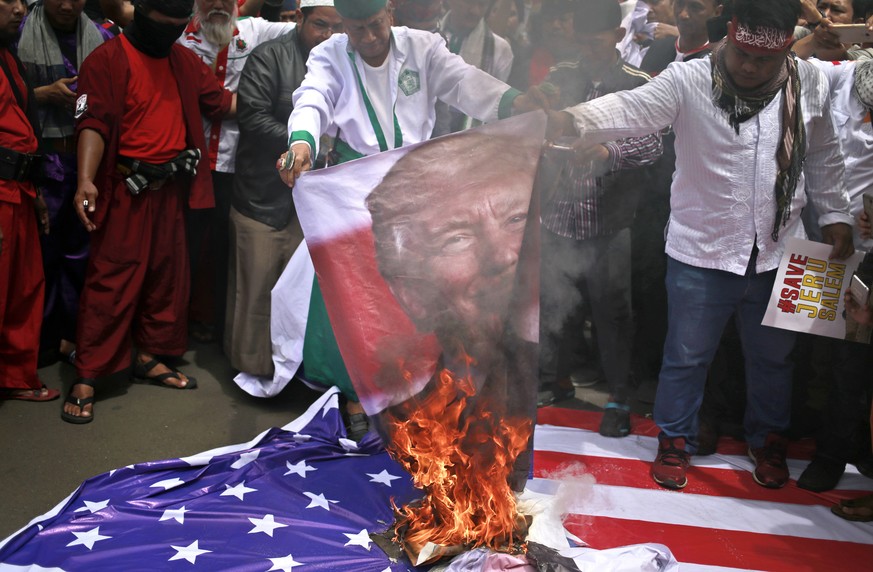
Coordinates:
column 460, row 450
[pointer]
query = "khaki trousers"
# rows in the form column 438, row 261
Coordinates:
column 258, row 255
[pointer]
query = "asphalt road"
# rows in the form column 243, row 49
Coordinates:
column 43, row 459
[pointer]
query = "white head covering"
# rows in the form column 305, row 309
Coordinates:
column 315, row 3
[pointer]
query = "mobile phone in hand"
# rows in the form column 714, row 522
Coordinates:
column 859, row 290
column 852, row 33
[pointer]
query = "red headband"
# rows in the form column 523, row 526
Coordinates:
column 761, row 40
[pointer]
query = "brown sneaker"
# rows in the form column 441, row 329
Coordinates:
column 670, row 465
column 771, row 471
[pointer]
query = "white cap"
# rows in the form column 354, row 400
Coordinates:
column 315, row 3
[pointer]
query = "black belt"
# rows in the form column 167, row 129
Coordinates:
column 15, row 166
column 140, row 175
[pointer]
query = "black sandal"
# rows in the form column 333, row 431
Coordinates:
column 140, row 371
column 80, row 403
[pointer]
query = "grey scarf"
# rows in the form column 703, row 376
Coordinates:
column 863, row 82
column 39, row 52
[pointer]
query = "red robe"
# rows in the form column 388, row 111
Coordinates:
column 21, row 277
column 137, row 282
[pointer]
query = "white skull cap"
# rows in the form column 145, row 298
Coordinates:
column 315, row 3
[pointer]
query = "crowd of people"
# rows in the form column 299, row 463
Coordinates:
column 689, row 139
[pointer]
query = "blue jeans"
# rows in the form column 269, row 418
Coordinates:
column 700, row 302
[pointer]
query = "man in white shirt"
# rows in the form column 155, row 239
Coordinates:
column 223, row 41
column 754, row 142
column 376, row 88
column 638, row 32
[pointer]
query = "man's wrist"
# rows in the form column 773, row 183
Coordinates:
column 41, row 93
column 301, row 145
column 613, row 156
column 814, row 25
column 304, row 137
column 506, row 106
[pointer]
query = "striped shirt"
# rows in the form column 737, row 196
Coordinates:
column 577, row 210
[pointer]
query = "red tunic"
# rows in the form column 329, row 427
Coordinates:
column 137, row 283
column 103, row 82
column 152, row 131
column 21, row 277
column 16, row 132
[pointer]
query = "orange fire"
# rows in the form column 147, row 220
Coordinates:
column 460, row 450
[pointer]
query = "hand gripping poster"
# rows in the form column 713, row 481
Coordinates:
column 809, row 292
column 427, row 258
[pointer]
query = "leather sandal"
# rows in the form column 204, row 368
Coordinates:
column 858, row 510
column 80, row 403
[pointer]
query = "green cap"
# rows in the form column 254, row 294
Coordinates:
column 359, row 9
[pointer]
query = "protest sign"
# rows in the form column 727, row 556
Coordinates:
column 808, row 292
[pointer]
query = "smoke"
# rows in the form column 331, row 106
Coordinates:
column 563, row 491
column 575, row 490
column 561, row 275
column 615, row 277
column 562, row 270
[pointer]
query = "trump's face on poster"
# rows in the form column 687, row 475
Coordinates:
column 427, row 256
column 448, row 236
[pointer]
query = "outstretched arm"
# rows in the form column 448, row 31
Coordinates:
column 646, row 109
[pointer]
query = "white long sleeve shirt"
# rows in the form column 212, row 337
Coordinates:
column 855, row 132
column 227, row 64
column 722, row 198
column 421, row 71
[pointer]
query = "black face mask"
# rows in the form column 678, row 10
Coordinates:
column 150, row 37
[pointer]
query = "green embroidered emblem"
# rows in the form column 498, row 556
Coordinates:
column 409, row 82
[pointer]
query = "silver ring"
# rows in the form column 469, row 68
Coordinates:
column 85, row 203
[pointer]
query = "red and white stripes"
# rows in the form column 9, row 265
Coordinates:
column 722, row 520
